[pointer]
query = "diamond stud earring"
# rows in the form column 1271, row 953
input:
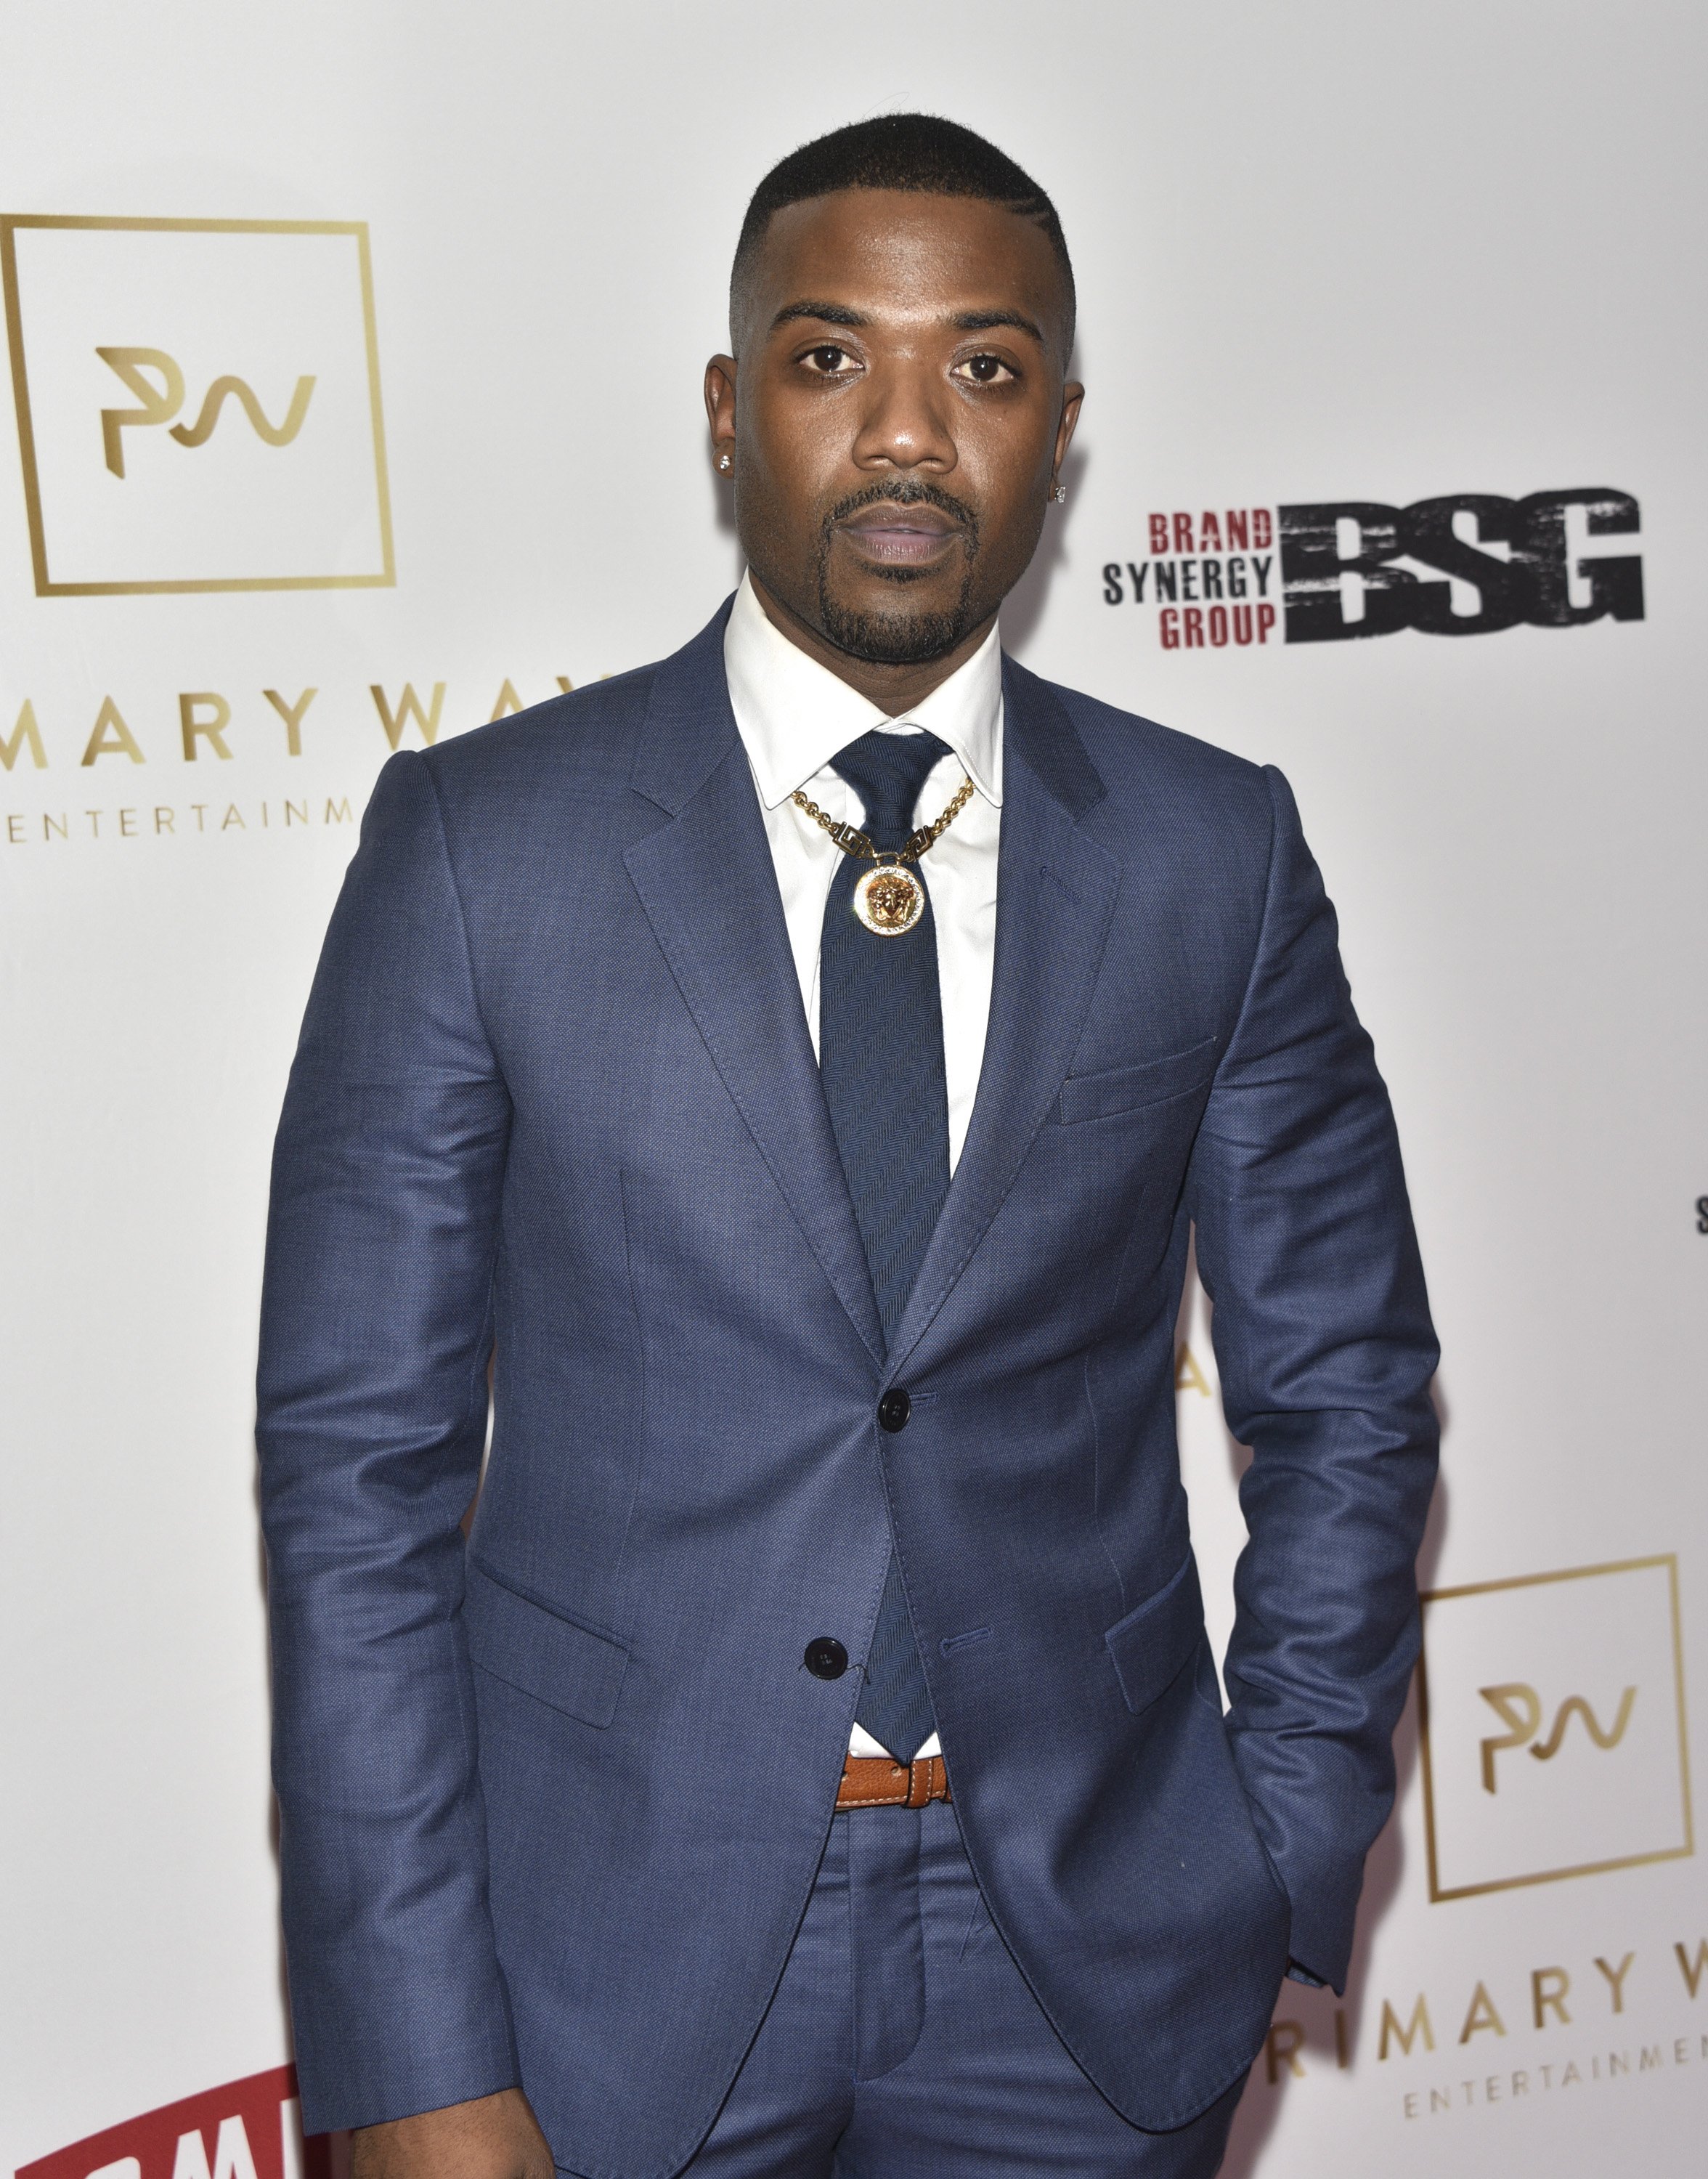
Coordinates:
column 1059, row 495
column 723, row 461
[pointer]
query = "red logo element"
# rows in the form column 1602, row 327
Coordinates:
column 248, row 2129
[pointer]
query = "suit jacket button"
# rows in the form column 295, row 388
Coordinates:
column 826, row 1659
column 894, row 1410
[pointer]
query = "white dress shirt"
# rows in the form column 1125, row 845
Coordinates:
column 793, row 715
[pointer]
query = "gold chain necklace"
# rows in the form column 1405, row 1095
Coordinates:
column 888, row 899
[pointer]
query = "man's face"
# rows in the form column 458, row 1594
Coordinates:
column 898, row 416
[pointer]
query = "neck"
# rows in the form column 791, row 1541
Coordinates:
column 893, row 688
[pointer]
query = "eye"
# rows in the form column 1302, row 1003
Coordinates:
column 983, row 371
column 829, row 361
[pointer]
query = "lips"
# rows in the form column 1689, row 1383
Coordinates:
column 899, row 535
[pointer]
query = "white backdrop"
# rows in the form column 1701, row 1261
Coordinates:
column 1328, row 254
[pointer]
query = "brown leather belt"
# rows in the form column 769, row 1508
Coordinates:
column 875, row 1782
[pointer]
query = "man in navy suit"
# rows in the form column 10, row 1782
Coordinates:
column 801, row 1064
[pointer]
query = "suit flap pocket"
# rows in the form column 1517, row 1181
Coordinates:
column 1124, row 1089
column 1151, row 1645
column 555, row 1659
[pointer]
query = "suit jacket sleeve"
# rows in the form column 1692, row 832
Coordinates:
column 376, row 1336
column 1322, row 1337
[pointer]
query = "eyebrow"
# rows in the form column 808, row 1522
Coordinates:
column 980, row 322
column 829, row 314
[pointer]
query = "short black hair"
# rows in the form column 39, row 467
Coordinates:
column 920, row 152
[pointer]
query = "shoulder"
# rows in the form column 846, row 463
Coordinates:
column 585, row 737
column 1151, row 772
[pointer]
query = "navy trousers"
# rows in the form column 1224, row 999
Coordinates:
column 903, row 2042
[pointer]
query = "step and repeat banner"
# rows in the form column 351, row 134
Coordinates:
column 353, row 357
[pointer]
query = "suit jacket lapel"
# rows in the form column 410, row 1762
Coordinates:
column 708, row 887
column 1055, row 892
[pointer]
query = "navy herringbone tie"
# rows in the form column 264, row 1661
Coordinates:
column 880, row 1051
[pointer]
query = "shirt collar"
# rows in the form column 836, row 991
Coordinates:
column 794, row 714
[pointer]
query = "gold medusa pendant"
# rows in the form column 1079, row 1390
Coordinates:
column 889, row 900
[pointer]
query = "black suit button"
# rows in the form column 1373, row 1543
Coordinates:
column 826, row 1659
column 894, row 1410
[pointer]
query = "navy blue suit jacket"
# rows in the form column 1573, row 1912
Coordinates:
column 553, row 1801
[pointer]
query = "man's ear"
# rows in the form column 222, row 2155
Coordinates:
column 721, row 406
column 1072, row 394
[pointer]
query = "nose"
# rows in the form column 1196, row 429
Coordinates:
column 905, row 421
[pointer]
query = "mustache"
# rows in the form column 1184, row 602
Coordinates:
column 905, row 491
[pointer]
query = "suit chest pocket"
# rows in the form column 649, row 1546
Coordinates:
column 1116, row 1089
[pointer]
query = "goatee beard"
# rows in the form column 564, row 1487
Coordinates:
column 900, row 637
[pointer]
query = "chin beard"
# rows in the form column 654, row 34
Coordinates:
column 897, row 638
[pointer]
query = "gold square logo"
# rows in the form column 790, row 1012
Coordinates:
column 198, row 404
column 1554, row 1739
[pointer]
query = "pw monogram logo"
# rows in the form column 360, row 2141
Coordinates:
column 1520, row 1708
column 263, row 366
column 1592, row 1699
column 161, row 403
